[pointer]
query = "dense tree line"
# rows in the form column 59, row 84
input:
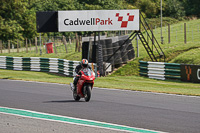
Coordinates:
column 18, row 17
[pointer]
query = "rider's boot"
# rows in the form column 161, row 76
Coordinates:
column 75, row 87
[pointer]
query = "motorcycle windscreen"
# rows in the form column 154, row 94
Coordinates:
column 87, row 71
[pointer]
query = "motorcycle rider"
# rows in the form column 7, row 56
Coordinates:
column 84, row 64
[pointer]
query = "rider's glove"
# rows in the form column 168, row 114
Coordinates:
column 77, row 75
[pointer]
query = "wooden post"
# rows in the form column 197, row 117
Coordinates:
column 70, row 40
column 54, row 44
column 185, row 40
column 26, row 46
column 23, row 44
column 80, row 44
column 1, row 46
column 20, row 45
column 45, row 42
column 65, row 43
column 30, row 44
column 8, row 46
column 168, row 33
column 55, row 48
column 76, row 43
column 36, row 49
column 17, row 46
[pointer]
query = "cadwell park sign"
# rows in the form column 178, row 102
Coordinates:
column 98, row 20
column 88, row 20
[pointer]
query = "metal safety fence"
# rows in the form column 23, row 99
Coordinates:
column 54, row 65
column 160, row 70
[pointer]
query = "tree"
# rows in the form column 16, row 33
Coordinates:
column 16, row 20
column 192, row 7
column 175, row 9
column 150, row 7
column 101, row 4
column 55, row 5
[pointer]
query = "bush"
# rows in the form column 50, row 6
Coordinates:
column 165, row 21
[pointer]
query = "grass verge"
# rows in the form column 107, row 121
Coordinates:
column 134, row 83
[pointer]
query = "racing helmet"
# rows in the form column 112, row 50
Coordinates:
column 84, row 63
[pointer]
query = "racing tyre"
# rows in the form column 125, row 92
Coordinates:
column 87, row 93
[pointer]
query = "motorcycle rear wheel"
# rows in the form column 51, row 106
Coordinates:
column 87, row 93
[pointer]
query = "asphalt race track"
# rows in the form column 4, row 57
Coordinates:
column 159, row 112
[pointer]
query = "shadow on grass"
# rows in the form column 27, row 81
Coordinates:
column 7, row 78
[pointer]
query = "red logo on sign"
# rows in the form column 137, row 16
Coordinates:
column 125, row 23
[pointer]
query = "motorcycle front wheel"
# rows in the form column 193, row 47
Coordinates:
column 87, row 93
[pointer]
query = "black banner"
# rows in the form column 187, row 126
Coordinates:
column 47, row 21
column 196, row 74
column 190, row 73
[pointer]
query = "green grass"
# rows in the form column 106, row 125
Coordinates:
column 119, row 82
column 193, row 57
column 150, row 85
column 34, row 76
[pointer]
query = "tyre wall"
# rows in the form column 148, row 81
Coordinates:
column 114, row 50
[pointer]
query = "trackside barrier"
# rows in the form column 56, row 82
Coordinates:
column 54, row 65
column 160, row 70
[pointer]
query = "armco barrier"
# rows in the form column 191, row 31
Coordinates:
column 160, row 70
column 53, row 65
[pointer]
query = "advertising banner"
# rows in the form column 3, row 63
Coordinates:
column 98, row 20
column 190, row 73
column 196, row 74
column 186, row 72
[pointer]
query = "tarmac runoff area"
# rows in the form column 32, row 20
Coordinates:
column 17, row 124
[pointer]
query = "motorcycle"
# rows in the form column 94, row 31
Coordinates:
column 84, row 85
